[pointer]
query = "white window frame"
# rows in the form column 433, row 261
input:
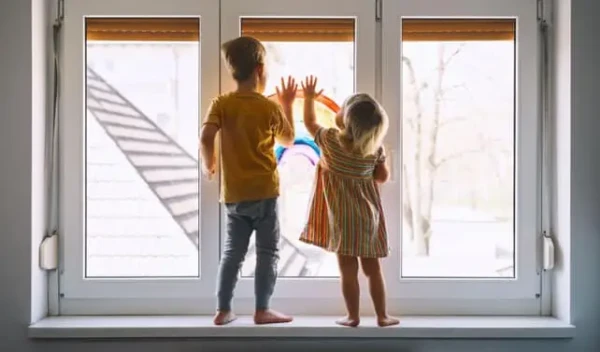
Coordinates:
column 510, row 296
column 322, row 292
column 377, row 69
column 90, row 294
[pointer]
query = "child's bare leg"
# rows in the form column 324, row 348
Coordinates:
column 372, row 270
column 350, row 289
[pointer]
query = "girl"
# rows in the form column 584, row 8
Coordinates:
column 346, row 216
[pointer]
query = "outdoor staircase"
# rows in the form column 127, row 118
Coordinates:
column 170, row 172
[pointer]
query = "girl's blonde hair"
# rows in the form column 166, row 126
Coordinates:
column 365, row 124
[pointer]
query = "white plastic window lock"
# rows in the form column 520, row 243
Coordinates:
column 548, row 253
column 49, row 253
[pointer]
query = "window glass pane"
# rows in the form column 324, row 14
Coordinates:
column 142, row 208
column 301, row 47
column 458, row 134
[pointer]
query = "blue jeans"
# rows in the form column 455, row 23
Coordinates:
column 242, row 219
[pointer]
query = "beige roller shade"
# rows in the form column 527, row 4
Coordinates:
column 143, row 29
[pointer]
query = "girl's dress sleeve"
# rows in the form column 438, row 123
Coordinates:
column 321, row 137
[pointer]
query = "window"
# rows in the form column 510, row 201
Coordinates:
column 299, row 47
column 142, row 230
column 458, row 91
column 141, row 162
column 303, row 38
column 134, row 207
column 462, row 75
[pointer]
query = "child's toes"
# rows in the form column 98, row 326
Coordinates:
column 387, row 321
column 349, row 322
column 271, row 317
column 224, row 318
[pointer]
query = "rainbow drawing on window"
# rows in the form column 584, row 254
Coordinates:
column 304, row 145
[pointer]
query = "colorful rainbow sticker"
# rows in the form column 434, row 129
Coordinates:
column 325, row 109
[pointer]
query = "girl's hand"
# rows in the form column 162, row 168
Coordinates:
column 309, row 86
column 287, row 93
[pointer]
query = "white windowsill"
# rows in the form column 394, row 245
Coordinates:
column 312, row 327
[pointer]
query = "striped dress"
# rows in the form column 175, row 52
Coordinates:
column 345, row 214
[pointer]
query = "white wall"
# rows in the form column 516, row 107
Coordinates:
column 585, row 171
column 21, row 140
column 15, row 170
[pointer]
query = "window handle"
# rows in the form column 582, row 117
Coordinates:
column 549, row 260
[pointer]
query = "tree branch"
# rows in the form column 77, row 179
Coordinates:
column 453, row 55
column 407, row 210
column 456, row 86
column 457, row 155
column 451, row 120
column 417, row 89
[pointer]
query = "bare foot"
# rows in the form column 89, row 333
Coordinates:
column 349, row 322
column 387, row 321
column 224, row 318
column 270, row 317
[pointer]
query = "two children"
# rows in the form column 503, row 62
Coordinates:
column 345, row 216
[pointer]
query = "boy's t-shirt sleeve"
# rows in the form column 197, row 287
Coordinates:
column 213, row 116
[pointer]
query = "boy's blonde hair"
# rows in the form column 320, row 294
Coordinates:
column 242, row 56
column 365, row 124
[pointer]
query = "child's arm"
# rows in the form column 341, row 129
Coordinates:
column 283, row 128
column 289, row 134
column 382, row 172
column 310, row 94
column 207, row 144
column 210, row 128
column 285, row 133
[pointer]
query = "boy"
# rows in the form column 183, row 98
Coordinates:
column 249, row 124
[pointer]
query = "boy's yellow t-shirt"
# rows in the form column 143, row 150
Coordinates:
column 248, row 124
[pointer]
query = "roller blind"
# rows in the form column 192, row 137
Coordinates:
column 143, row 29
column 297, row 29
column 458, row 29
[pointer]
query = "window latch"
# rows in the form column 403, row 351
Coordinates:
column 49, row 253
column 548, row 252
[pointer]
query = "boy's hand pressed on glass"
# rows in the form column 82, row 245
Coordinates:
column 286, row 94
column 309, row 87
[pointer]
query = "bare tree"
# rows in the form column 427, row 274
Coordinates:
column 421, row 158
column 273, row 53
